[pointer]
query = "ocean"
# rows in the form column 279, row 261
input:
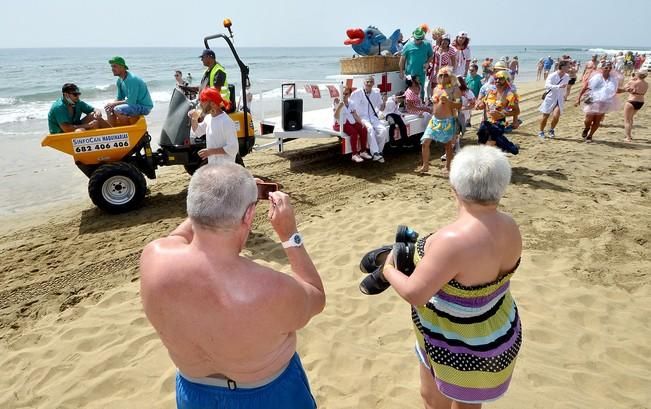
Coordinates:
column 32, row 80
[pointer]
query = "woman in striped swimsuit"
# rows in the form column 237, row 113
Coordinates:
column 466, row 322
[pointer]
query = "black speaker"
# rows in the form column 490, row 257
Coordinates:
column 292, row 114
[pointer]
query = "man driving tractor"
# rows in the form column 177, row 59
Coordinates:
column 214, row 76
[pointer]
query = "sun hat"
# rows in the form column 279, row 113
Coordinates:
column 445, row 36
column 207, row 53
column 501, row 65
column 642, row 71
column 462, row 34
column 70, row 88
column 504, row 75
column 118, row 61
column 418, row 34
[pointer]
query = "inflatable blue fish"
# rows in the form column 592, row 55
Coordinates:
column 371, row 41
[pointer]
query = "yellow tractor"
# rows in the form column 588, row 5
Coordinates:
column 116, row 160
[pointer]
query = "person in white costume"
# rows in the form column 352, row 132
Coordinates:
column 369, row 103
column 601, row 89
column 219, row 128
column 554, row 98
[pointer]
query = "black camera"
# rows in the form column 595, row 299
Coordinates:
column 372, row 263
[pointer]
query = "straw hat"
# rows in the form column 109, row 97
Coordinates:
column 501, row 65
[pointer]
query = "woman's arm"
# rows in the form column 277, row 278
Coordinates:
column 433, row 271
column 338, row 110
column 357, row 118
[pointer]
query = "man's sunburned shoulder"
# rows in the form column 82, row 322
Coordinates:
column 163, row 254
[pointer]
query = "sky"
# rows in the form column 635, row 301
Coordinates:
column 296, row 23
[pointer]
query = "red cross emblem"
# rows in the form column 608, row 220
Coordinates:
column 385, row 85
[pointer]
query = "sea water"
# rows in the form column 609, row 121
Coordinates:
column 32, row 80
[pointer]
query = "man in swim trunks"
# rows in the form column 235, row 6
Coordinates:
column 443, row 125
column 229, row 323
column 547, row 66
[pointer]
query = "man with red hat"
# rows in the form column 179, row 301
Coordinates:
column 219, row 128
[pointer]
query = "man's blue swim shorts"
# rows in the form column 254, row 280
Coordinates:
column 289, row 390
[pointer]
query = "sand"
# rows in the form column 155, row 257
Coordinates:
column 73, row 334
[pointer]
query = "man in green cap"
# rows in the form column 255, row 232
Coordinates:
column 133, row 97
column 416, row 55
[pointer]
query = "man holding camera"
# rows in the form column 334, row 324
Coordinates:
column 229, row 323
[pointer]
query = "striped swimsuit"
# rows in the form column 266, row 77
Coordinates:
column 469, row 337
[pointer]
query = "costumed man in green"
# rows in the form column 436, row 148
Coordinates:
column 416, row 55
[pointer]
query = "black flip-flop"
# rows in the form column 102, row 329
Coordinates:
column 403, row 257
column 374, row 283
column 374, row 259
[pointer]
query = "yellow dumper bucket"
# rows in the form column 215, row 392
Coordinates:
column 97, row 146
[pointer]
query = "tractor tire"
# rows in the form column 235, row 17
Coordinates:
column 117, row 187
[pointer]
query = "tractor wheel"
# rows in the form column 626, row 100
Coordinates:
column 117, row 187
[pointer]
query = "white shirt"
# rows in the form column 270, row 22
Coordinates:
column 364, row 110
column 556, row 94
column 220, row 133
column 391, row 107
column 462, row 56
column 346, row 113
column 467, row 100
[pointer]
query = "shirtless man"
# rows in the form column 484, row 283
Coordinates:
column 443, row 125
column 637, row 87
column 230, row 324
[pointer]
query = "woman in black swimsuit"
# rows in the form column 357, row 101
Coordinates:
column 636, row 88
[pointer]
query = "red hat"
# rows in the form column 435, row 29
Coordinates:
column 213, row 95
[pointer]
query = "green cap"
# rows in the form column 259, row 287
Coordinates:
column 418, row 33
column 118, row 61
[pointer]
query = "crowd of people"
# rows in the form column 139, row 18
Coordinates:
column 443, row 85
column 230, row 324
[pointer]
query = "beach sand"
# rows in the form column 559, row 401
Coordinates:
column 73, row 334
